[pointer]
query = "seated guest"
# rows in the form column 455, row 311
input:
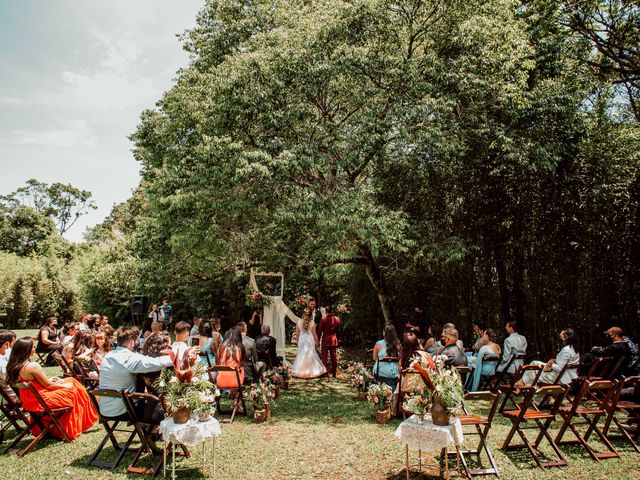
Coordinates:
column 440, row 344
column 252, row 367
column 209, row 343
column 48, row 340
column 566, row 355
column 488, row 349
column 232, row 354
column 389, row 346
column 634, row 356
column 616, row 349
column 195, row 330
column 7, row 339
column 180, row 346
column 55, row 392
column 83, row 323
column 431, row 344
column 102, row 347
column 266, row 343
column 478, row 331
column 69, row 331
column 514, row 344
column 78, row 346
column 455, row 355
column 410, row 347
column 155, row 346
column 119, row 368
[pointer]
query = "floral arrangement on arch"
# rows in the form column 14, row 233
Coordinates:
column 342, row 308
column 188, row 389
column 381, row 395
column 255, row 299
column 361, row 377
column 260, row 394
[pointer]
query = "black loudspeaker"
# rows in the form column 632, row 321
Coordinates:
column 139, row 304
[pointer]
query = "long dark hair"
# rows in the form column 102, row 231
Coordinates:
column 206, row 330
column 233, row 343
column 410, row 345
column 571, row 337
column 47, row 323
column 391, row 339
column 20, row 354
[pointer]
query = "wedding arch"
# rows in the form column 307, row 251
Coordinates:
column 275, row 310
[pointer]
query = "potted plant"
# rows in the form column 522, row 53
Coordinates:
column 260, row 394
column 187, row 392
column 284, row 372
column 381, row 395
column 444, row 387
column 360, row 379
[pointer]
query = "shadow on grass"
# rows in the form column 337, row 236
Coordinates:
column 326, row 401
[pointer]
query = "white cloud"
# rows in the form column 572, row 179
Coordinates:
column 77, row 134
column 10, row 101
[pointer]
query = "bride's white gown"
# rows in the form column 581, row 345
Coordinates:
column 307, row 363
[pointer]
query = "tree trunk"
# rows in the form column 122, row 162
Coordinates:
column 377, row 281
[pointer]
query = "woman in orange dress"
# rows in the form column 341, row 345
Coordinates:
column 56, row 392
column 232, row 354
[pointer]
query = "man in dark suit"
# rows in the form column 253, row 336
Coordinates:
column 316, row 314
column 328, row 337
column 266, row 346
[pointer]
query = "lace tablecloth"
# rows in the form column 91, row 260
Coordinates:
column 428, row 436
column 191, row 433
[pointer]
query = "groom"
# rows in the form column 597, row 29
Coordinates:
column 328, row 336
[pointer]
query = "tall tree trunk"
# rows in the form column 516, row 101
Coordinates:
column 377, row 281
column 501, row 269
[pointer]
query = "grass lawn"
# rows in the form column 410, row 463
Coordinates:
column 319, row 430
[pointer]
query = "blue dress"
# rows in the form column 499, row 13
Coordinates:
column 207, row 348
column 385, row 369
column 483, row 369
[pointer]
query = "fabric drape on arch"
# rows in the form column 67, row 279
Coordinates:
column 275, row 313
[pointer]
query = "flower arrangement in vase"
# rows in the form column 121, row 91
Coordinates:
column 361, row 378
column 261, row 395
column 187, row 393
column 381, row 395
column 444, row 393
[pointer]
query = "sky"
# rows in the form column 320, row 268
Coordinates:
column 75, row 75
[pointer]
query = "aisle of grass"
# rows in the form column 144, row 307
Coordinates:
column 319, row 430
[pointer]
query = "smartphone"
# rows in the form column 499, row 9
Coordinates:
column 195, row 341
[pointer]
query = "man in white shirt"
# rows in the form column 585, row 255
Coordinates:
column 119, row 368
column 180, row 347
column 83, row 325
column 7, row 338
column 514, row 344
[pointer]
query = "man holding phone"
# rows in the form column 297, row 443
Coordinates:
column 179, row 347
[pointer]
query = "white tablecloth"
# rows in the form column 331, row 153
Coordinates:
column 191, row 433
column 428, row 436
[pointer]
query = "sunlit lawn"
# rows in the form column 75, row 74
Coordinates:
column 319, row 430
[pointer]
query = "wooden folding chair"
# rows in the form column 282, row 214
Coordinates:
column 528, row 413
column 511, row 389
column 67, row 371
column 465, row 374
column 263, row 356
column 376, row 373
column 367, row 357
column 11, row 413
column 566, row 368
column 84, row 368
column 591, row 413
column 47, row 415
column 624, row 406
column 146, row 429
column 481, row 425
column 501, row 378
column 402, row 380
column 110, row 425
column 484, row 380
column 236, row 394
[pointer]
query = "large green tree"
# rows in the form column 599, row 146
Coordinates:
column 272, row 147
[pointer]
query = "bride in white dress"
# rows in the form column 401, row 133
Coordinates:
column 307, row 363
